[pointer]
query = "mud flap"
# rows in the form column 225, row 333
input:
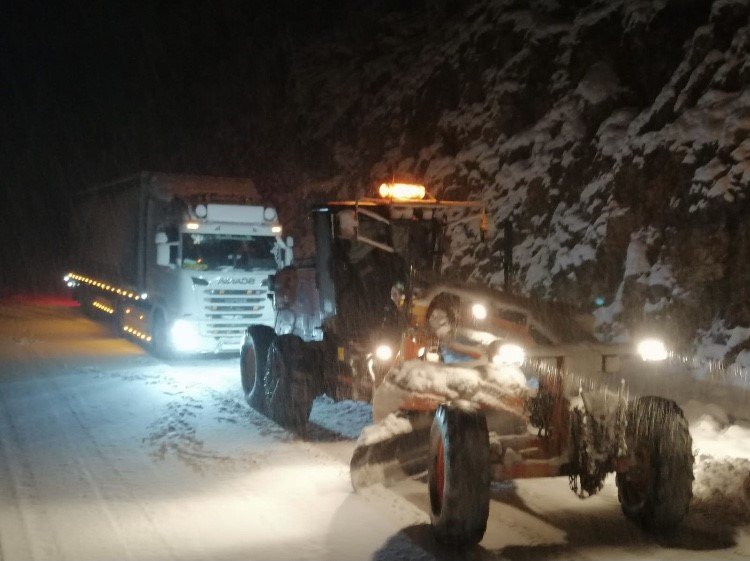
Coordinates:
column 393, row 457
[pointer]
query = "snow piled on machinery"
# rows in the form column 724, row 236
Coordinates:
column 491, row 386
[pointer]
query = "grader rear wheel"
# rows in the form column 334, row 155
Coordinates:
column 656, row 490
column 287, row 386
column 253, row 365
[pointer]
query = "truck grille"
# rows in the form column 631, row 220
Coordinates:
column 229, row 311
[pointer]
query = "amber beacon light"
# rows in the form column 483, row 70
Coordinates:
column 404, row 191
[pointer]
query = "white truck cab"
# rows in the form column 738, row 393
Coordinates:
column 195, row 273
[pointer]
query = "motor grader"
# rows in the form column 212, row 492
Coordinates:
column 468, row 384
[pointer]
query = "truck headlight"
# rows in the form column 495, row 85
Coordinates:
column 384, row 352
column 185, row 335
column 479, row 311
column 652, row 350
column 509, row 353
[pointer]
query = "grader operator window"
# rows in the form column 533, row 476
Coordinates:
column 418, row 243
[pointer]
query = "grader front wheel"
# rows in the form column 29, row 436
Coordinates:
column 459, row 476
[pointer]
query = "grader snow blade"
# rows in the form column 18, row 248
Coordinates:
column 384, row 456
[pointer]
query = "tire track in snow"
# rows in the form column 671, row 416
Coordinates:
column 175, row 432
column 99, row 484
column 31, row 526
column 99, row 478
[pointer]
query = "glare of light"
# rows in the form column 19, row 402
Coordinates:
column 652, row 350
column 401, row 191
column 432, row 356
column 384, row 352
column 185, row 335
column 276, row 229
column 71, row 284
column 192, row 226
column 269, row 214
column 144, row 296
column 479, row 311
column 66, row 278
column 509, row 353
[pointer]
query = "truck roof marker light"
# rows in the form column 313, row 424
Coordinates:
column 192, row 226
column 276, row 229
column 402, row 191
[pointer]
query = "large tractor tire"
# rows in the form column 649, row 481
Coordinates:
column 656, row 490
column 288, row 387
column 253, row 365
column 459, row 476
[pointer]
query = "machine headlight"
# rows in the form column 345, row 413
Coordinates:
column 384, row 352
column 479, row 311
column 509, row 353
column 652, row 350
column 185, row 335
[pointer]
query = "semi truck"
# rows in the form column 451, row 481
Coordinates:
column 179, row 263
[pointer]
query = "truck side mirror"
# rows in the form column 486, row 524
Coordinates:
column 288, row 251
column 162, row 254
column 162, row 249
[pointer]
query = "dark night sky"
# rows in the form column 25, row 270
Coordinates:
column 95, row 90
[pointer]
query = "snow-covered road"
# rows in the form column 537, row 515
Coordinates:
column 108, row 453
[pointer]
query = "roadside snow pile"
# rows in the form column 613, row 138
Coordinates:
column 346, row 418
column 722, row 464
column 722, row 487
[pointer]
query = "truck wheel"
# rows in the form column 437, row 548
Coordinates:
column 253, row 365
column 287, row 387
column 656, row 490
column 86, row 301
column 160, row 345
column 459, row 475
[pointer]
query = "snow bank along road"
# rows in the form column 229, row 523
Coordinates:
column 108, row 453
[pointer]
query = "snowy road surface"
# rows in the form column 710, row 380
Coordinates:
column 108, row 453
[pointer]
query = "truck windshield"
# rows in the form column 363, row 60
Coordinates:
column 212, row 252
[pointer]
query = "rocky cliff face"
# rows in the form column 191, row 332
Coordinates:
column 613, row 136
